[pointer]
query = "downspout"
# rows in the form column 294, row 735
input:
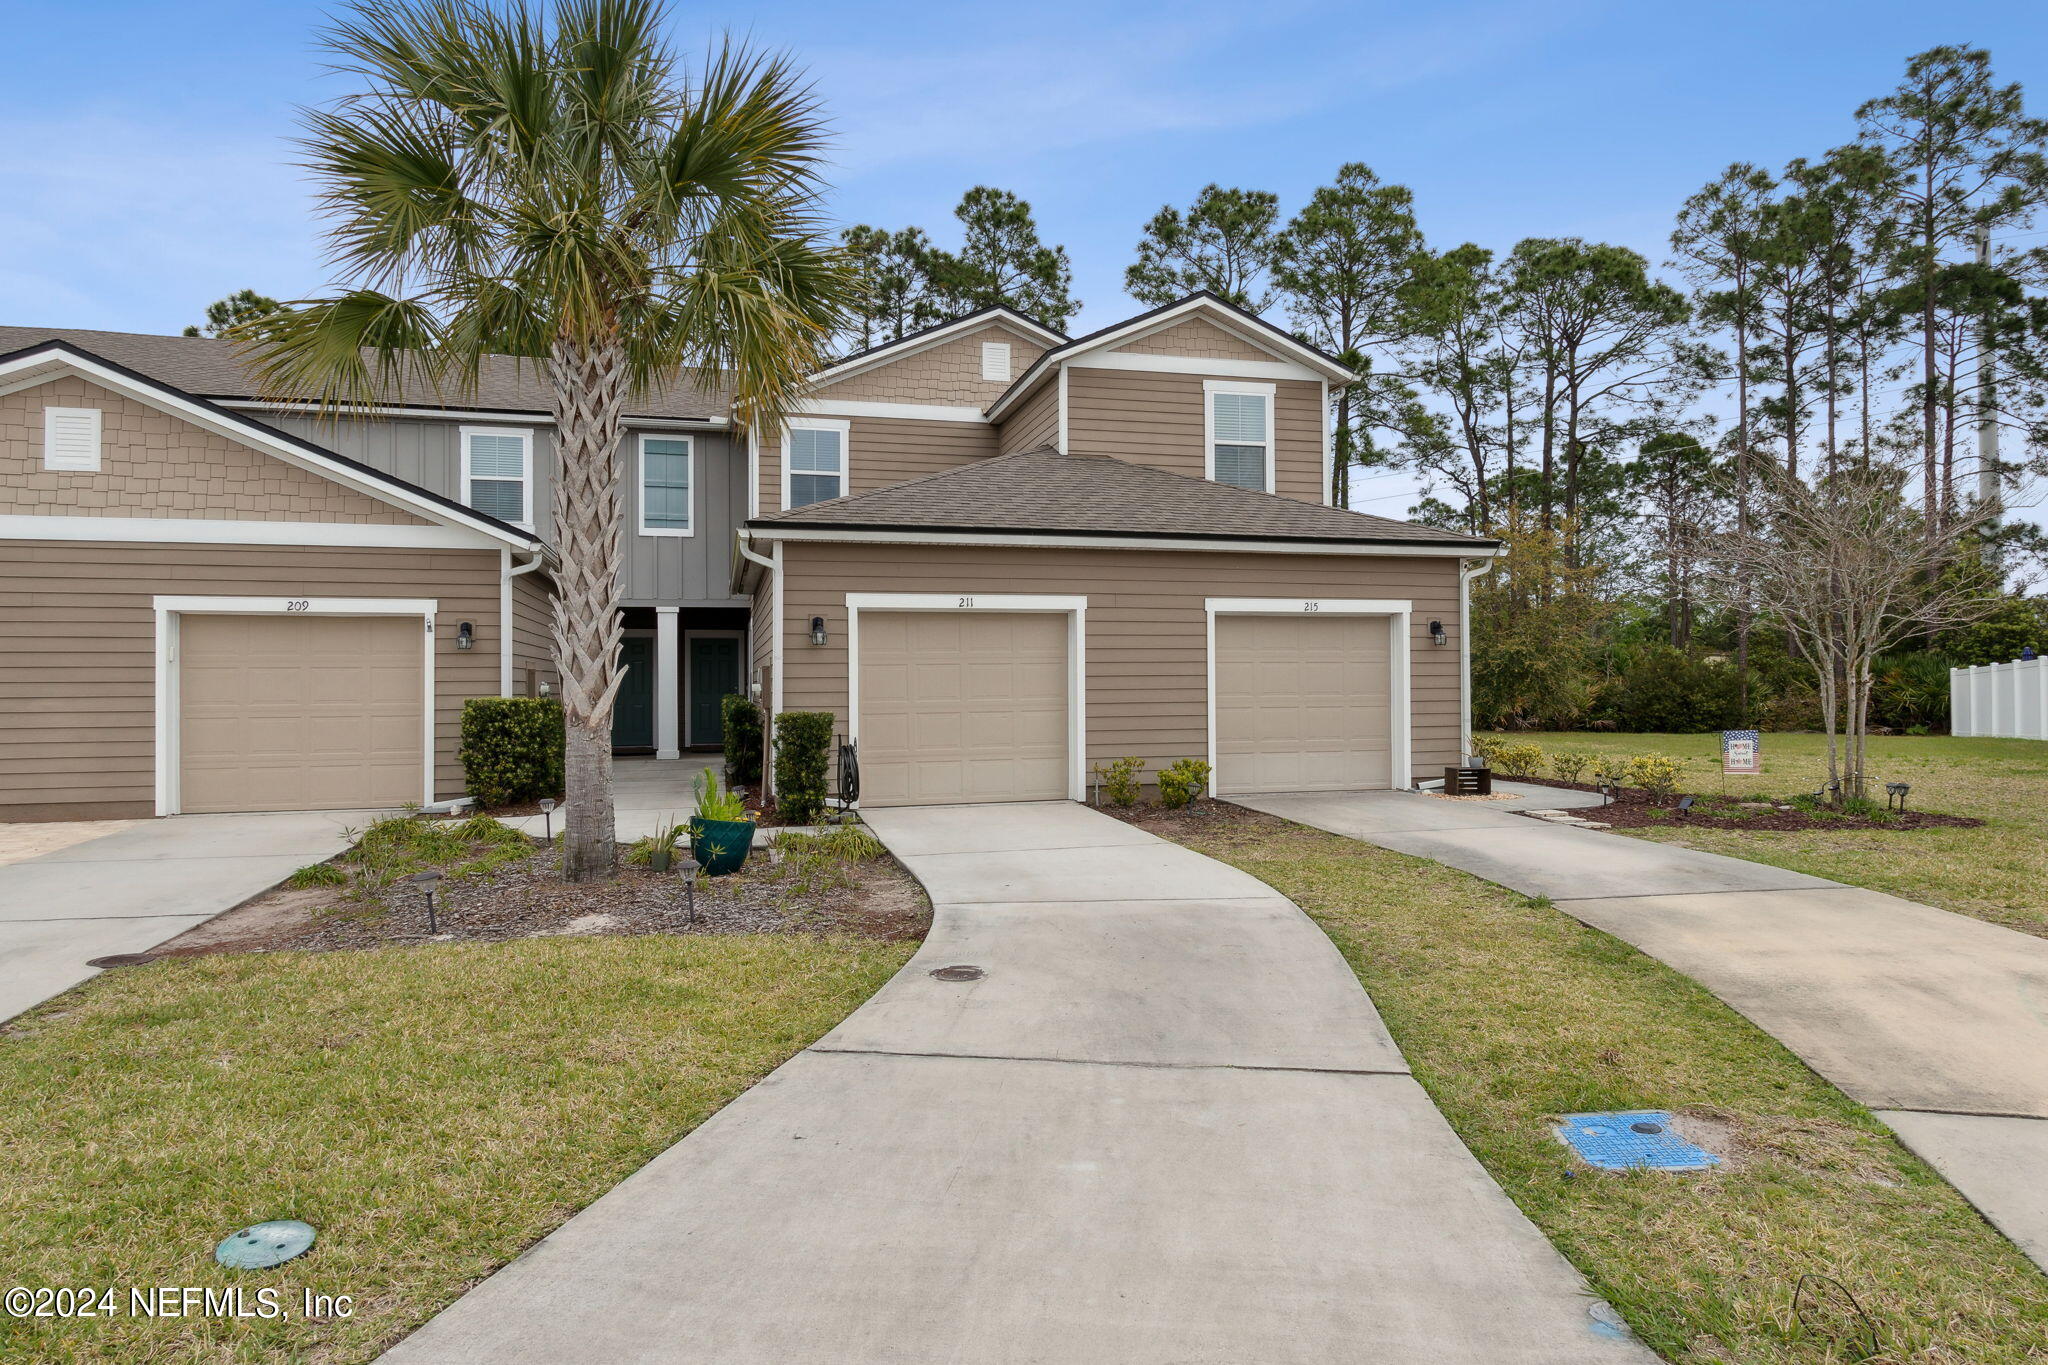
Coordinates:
column 506, row 573
column 772, row 703
column 1467, row 571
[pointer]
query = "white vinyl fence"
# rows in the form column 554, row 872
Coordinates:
column 2009, row 701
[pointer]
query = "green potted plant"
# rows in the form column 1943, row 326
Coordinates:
column 661, row 848
column 721, row 835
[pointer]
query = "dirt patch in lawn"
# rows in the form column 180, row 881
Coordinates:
column 1633, row 808
column 511, row 887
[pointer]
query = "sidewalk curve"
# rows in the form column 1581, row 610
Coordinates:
column 1936, row 1022
column 1164, row 1124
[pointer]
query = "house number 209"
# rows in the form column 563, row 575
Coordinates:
column 298, row 604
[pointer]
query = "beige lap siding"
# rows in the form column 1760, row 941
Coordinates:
column 533, row 633
column 886, row 450
column 1161, row 420
column 1035, row 422
column 77, row 670
column 1146, row 627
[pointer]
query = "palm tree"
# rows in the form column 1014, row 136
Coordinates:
column 537, row 179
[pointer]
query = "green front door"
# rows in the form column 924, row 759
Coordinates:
column 714, row 675
column 633, row 711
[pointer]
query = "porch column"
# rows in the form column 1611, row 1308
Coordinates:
column 668, row 675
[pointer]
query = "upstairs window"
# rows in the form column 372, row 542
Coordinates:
column 666, row 469
column 497, row 473
column 995, row 361
column 1240, row 432
column 815, row 470
column 71, row 440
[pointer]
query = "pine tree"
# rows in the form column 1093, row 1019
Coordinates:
column 1223, row 243
column 1003, row 262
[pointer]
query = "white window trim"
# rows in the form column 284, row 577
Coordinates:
column 995, row 362
column 94, row 418
column 1075, row 609
column 525, row 434
column 1212, row 387
column 169, row 610
column 1400, row 720
column 640, row 487
column 838, row 424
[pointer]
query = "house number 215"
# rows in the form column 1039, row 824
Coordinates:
column 1311, row 606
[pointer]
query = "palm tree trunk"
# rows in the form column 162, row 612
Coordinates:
column 589, row 395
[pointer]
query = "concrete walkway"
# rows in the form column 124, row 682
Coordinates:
column 648, row 795
column 1166, row 1125
column 128, row 891
column 1935, row 1021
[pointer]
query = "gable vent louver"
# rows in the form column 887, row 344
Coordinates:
column 995, row 361
column 71, row 439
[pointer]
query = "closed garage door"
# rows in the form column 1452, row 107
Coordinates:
column 962, row 706
column 299, row 712
column 1302, row 703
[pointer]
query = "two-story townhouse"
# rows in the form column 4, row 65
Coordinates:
column 998, row 555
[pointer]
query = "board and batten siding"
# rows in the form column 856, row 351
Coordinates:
column 1147, row 670
column 77, row 679
column 1161, row 420
column 667, row 570
column 886, row 450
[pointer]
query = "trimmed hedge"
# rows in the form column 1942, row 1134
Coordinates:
column 512, row 749
column 742, row 740
column 803, row 762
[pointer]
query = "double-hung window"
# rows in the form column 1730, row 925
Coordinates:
column 814, row 469
column 1240, row 433
column 667, row 466
column 497, row 472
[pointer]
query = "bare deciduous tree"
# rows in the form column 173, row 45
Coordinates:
column 1853, row 570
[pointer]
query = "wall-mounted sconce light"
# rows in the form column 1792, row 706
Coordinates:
column 547, row 689
column 1437, row 635
column 465, row 636
column 817, row 630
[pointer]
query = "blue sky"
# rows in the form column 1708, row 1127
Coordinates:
column 147, row 172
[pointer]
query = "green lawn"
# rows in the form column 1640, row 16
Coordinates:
column 431, row 1110
column 1997, row 873
column 1512, row 1013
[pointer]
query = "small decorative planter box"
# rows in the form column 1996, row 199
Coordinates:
column 721, row 846
column 1468, row 782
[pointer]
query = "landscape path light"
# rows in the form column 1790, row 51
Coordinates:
column 688, row 868
column 547, row 816
column 425, row 881
column 1895, row 795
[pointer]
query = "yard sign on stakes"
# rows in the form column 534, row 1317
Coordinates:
column 1741, row 752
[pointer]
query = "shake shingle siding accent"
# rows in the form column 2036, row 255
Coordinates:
column 1146, row 627
column 1045, row 491
column 948, row 372
column 1196, row 338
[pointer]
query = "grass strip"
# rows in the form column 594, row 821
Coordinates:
column 1511, row 1014
column 432, row 1111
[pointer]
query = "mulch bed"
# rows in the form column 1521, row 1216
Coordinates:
column 527, row 898
column 1634, row 808
column 1198, row 815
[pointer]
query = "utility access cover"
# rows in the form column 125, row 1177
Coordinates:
column 1640, row 1138
column 263, row 1245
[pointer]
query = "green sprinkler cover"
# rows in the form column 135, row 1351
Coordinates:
column 265, row 1244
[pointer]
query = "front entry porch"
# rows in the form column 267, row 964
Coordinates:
column 680, row 665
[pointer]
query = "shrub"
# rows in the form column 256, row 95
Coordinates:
column 713, row 804
column 1610, row 770
column 1909, row 690
column 1655, row 774
column 1569, row 765
column 1487, row 746
column 512, row 749
column 742, row 740
column 803, row 762
column 1518, row 760
column 1182, row 781
column 1120, row 781
column 317, row 874
column 1664, row 692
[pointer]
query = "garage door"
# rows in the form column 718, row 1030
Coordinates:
column 1302, row 703
column 962, row 706
column 299, row 712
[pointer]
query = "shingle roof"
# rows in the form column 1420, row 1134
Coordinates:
column 208, row 368
column 1045, row 491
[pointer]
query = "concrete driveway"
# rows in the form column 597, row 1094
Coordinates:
column 127, row 891
column 1937, row 1022
column 1164, row 1125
